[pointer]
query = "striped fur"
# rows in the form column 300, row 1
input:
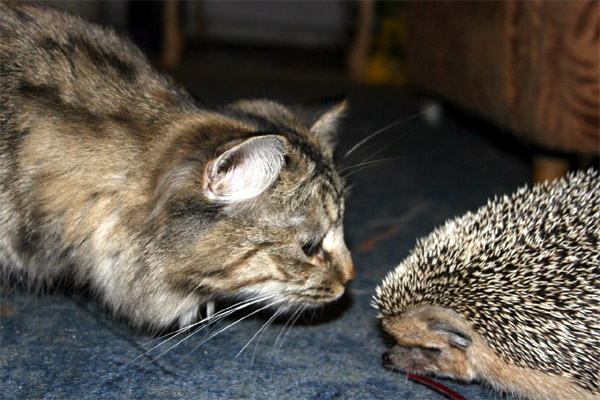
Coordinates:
column 113, row 177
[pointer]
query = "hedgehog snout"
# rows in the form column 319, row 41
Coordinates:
column 386, row 361
column 388, row 358
column 401, row 358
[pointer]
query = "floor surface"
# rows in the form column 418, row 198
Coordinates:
column 63, row 346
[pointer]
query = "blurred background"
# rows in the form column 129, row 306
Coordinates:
column 297, row 36
column 529, row 68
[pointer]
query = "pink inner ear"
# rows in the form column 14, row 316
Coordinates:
column 246, row 170
column 233, row 178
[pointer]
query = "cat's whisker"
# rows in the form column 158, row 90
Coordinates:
column 365, row 167
column 382, row 149
column 210, row 319
column 297, row 311
column 371, row 163
column 262, row 329
column 379, row 131
column 294, row 318
column 205, row 321
column 235, row 323
column 208, row 323
column 312, row 316
column 388, row 145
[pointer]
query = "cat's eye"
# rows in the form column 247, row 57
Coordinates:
column 312, row 248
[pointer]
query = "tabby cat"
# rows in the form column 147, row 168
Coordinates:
column 113, row 177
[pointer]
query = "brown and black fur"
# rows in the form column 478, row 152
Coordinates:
column 113, row 176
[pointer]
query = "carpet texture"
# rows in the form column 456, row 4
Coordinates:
column 64, row 346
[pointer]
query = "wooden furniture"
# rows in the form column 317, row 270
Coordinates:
column 530, row 66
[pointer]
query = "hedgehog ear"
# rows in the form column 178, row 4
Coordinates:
column 455, row 336
column 322, row 117
column 244, row 169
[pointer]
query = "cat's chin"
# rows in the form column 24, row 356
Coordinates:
column 312, row 301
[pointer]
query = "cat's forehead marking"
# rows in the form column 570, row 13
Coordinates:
column 334, row 238
column 333, row 200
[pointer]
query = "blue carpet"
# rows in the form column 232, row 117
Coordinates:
column 64, row 346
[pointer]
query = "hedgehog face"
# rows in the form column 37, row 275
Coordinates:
column 430, row 340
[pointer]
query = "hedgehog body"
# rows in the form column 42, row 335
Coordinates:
column 509, row 294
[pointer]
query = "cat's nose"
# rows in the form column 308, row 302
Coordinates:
column 347, row 270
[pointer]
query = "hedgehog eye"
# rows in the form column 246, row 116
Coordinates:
column 431, row 351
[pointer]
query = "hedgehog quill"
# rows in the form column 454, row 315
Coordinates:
column 509, row 295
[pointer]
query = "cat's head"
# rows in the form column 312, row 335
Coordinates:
column 249, row 203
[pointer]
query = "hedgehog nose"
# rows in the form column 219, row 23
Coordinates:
column 386, row 359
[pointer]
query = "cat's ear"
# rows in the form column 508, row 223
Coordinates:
column 245, row 169
column 323, row 117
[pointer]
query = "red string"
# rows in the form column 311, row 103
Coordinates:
column 439, row 386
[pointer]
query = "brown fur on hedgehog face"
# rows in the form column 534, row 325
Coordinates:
column 523, row 274
column 438, row 341
column 430, row 340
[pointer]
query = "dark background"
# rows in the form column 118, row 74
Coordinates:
column 437, row 162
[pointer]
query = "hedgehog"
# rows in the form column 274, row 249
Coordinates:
column 508, row 295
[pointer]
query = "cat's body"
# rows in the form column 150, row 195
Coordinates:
column 111, row 175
